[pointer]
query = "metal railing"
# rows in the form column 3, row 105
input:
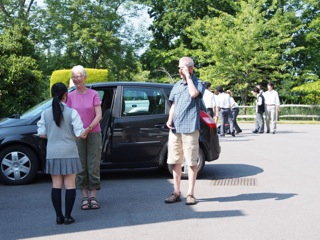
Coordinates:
column 288, row 111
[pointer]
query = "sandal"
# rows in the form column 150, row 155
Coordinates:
column 85, row 204
column 94, row 204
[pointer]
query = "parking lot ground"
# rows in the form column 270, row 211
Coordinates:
column 262, row 187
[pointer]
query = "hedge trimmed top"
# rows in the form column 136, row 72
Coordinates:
column 93, row 76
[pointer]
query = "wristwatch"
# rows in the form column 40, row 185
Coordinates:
column 90, row 128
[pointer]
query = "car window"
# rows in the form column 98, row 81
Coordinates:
column 101, row 94
column 142, row 101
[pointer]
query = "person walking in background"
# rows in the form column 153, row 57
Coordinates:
column 272, row 103
column 260, row 108
column 260, row 89
column 87, row 102
column 184, row 125
column 61, row 125
column 216, row 111
column 209, row 100
column 234, row 112
column 224, row 105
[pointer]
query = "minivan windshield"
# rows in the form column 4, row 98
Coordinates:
column 37, row 110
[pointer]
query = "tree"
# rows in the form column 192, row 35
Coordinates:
column 170, row 39
column 308, row 61
column 61, row 34
column 93, row 34
column 286, row 49
column 246, row 49
column 310, row 91
column 21, row 84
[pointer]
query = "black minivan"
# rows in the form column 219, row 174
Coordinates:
column 134, row 133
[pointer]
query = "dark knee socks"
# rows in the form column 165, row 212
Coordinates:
column 70, row 198
column 56, row 201
column 69, row 201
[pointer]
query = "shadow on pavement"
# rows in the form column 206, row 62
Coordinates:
column 127, row 198
column 221, row 171
column 250, row 197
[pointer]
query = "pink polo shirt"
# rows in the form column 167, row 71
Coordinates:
column 84, row 104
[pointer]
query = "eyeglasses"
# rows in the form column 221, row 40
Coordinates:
column 77, row 77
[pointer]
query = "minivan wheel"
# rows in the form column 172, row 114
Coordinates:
column 185, row 169
column 18, row 165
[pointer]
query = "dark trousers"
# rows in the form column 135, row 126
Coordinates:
column 235, row 113
column 210, row 112
column 225, row 113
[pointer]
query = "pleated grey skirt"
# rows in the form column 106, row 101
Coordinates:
column 63, row 166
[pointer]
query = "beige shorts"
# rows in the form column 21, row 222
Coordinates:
column 183, row 145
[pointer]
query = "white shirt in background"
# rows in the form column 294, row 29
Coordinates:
column 224, row 100
column 271, row 98
column 208, row 99
column 233, row 103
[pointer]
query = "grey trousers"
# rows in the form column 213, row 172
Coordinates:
column 259, row 122
column 271, row 117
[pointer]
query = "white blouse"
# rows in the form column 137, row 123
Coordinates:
column 76, row 123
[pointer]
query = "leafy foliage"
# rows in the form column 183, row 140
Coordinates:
column 170, row 39
column 21, row 84
column 246, row 49
column 90, row 33
column 310, row 91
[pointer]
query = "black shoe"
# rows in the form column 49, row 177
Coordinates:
column 274, row 132
column 233, row 133
column 222, row 135
column 68, row 220
column 173, row 198
column 239, row 132
column 255, row 131
column 60, row 220
column 261, row 132
column 268, row 131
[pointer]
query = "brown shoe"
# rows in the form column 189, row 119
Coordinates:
column 191, row 200
column 173, row 198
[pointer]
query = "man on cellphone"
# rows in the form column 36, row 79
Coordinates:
column 184, row 125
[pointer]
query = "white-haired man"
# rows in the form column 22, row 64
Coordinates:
column 184, row 125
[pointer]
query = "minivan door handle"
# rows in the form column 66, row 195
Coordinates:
column 160, row 125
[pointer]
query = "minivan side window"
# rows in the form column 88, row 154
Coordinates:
column 142, row 101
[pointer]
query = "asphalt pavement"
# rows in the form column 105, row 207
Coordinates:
column 263, row 186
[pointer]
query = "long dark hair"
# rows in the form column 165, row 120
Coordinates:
column 57, row 92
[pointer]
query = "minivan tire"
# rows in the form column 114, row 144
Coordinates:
column 18, row 165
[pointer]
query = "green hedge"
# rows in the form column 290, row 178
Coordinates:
column 93, row 76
